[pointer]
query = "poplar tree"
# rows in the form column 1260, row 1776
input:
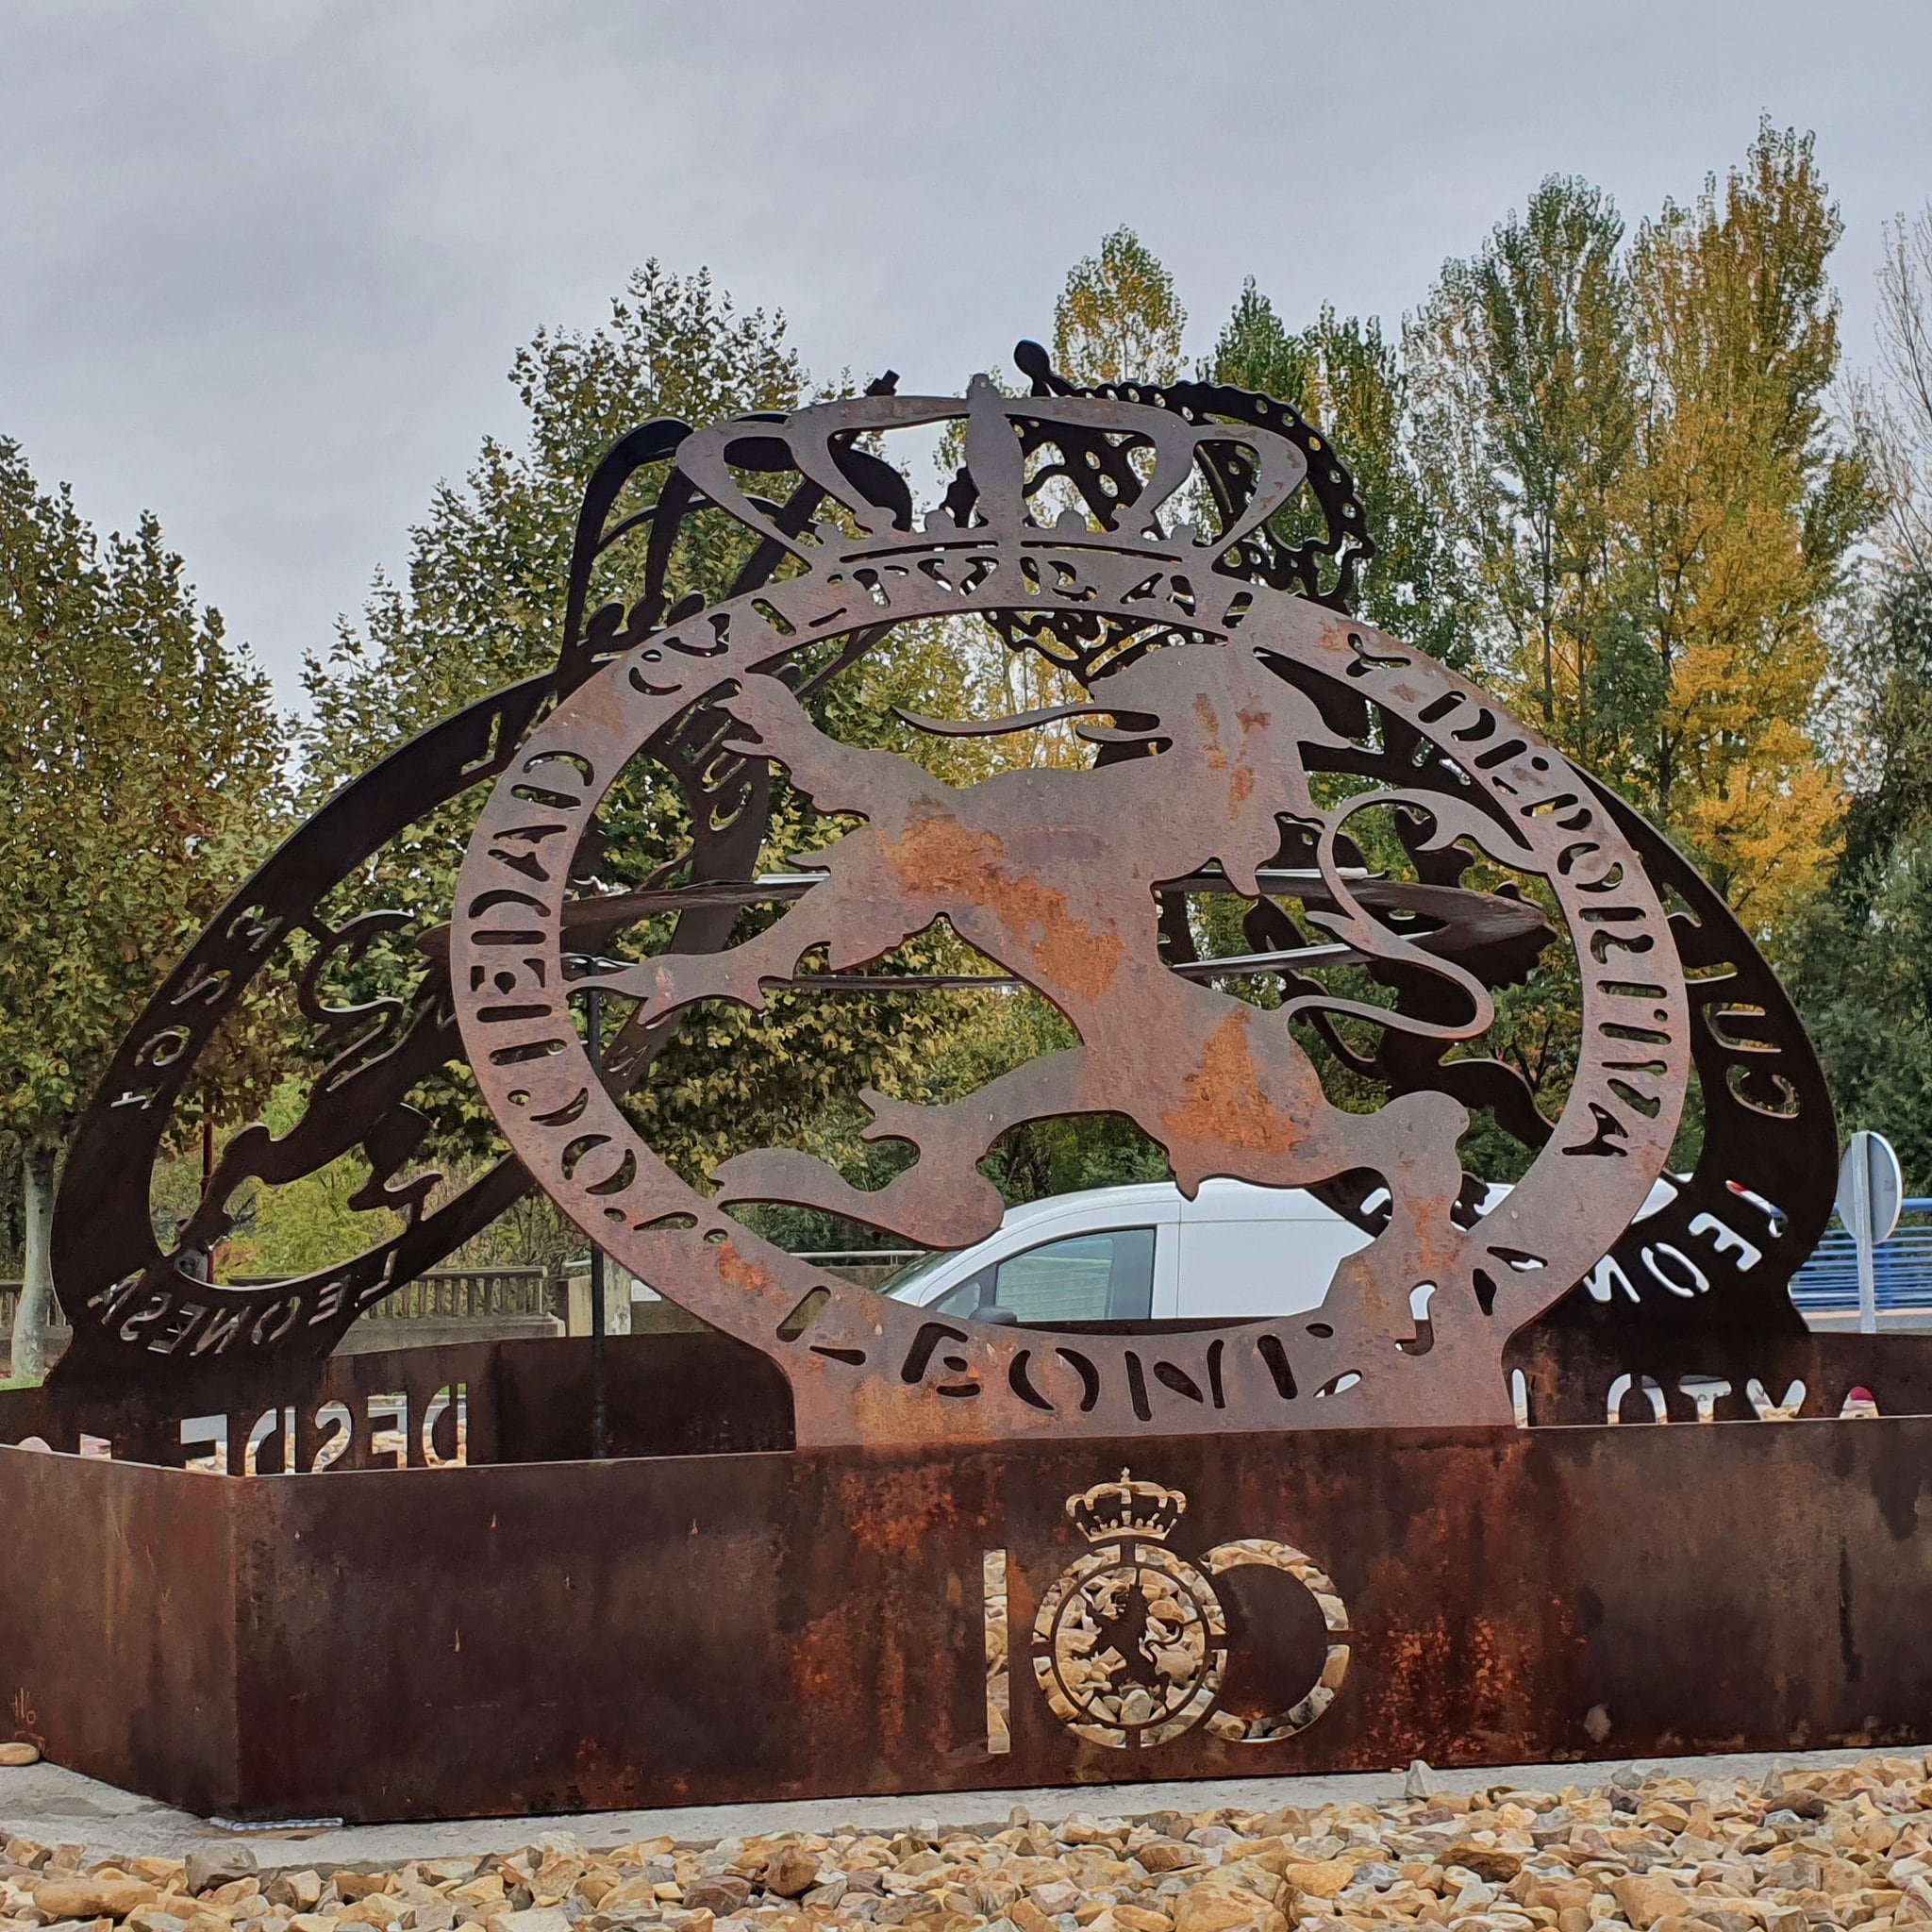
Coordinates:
column 1630, row 447
column 1522, row 361
column 1738, row 514
column 1118, row 318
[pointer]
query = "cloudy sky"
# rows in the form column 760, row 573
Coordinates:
column 263, row 263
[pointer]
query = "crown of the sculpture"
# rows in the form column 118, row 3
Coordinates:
column 1126, row 1508
column 1056, row 487
column 822, row 441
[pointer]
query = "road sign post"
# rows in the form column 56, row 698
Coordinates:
column 1871, row 1189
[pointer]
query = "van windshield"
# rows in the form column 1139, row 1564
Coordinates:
column 902, row 1278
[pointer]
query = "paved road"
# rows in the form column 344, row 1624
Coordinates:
column 59, row 1807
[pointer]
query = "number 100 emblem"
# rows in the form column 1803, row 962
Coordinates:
column 1130, row 1641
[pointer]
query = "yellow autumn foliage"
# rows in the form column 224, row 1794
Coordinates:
column 1720, row 514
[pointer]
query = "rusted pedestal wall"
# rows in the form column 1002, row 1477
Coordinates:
column 526, row 1638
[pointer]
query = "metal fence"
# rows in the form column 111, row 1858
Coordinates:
column 1827, row 1284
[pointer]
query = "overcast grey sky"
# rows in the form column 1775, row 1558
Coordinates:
column 263, row 263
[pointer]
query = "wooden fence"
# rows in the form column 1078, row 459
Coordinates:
column 468, row 1294
column 484, row 1294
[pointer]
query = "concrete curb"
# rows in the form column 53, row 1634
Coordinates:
column 57, row 1807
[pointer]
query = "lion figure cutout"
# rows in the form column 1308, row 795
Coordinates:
column 1219, row 1083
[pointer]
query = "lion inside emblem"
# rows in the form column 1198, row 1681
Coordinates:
column 1130, row 1642
column 1228, row 1092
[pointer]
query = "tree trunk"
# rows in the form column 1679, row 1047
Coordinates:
column 36, row 1293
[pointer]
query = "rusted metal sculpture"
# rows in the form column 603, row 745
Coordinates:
column 137, row 1310
column 1103, row 592
column 1331, row 1544
column 1055, row 877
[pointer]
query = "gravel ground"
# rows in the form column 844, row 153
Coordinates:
column 1782, row 1851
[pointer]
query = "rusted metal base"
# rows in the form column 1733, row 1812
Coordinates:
column 772, row 1623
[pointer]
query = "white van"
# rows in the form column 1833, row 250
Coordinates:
column 1140, row 1252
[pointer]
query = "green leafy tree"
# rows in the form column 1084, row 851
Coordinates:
column 484, row 603
column 1347, row 378
column 1858, row 962
column 141, row 771
column 1629, row 446
column 1523, row 361
column 1890, row 671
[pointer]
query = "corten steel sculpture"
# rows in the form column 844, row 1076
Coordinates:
column 1398, row 854
column 1055, row 876
column 1288, row 689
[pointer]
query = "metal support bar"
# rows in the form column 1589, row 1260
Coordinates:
column 599, row 1428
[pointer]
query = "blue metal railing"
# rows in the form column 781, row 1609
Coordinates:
column 1901, row 1267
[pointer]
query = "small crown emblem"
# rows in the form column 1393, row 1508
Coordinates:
column 1126, row 1508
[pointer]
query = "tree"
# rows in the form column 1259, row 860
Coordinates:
column 1893, row 416
column 484, row 603
column 1346, row 377
column 1522, row 361
column 1118, row 318
column 140, row 768
column 1630, row 448
column 1859, row 965
column 1738, row 514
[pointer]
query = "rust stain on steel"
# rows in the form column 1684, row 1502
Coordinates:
column 1228, row 1099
